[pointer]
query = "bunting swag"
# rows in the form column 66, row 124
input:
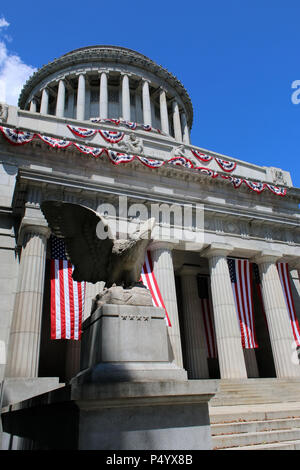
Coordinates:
column 240, row 275
column 16, row 137
column 150, row 163
column 112, row 136
column 226, row 166
column 208, row 321
column 149, row 280
column 201, row 156
column 257, row 187
column 235, row 181
column 181, row 161
column 93, row 151
column 116, row 158
column 55, row 143
column 66, row 295
column 82, row 132
column 283, row 271
column 206, row 171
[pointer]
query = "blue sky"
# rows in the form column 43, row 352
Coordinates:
column 236, row 58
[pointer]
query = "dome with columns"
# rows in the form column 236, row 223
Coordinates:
column 114, row 83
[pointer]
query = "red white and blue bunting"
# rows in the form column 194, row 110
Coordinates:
column 201, row 156
column 55, row 143
column 181, row 161
column 16, row 137
column 93, row 151
column 116, row 158
column 112, row 136
column 82, row 132
column 225, row 165
column 206, row 171
column 150, row 163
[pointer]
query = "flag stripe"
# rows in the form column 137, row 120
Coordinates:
column 67, row 296
column 149, row 280
column 284, row 276
column 241, row 281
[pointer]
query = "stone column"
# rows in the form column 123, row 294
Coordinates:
column 164, row 118
column 279, row 325
column 164, row 273
column 228, row 334
column 176, row 121
column 125, row 98
column 186, row 131
column 44, row 101
column 146, row 103
column 80, row 114
column 60, row 103
column 32, row 107
column 23, row 357
column 103, row 96
column 194, row 333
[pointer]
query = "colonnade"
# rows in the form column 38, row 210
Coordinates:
column 177, row 116
column 25, row 331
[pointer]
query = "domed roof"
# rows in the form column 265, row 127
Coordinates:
column 107, row 53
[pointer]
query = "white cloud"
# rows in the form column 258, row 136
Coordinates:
column 13, row 72
column 3, row 22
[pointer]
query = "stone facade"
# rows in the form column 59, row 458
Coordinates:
column 108, row 83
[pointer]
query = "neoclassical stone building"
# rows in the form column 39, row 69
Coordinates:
column 102, row 123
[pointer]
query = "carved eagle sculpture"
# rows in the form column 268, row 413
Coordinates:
column 97, row 258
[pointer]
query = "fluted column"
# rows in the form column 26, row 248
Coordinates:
column 103, row 96
column 44, row 101
column 23, row 356
column 194, row 333
column 228, row 334
column 164, row 273
column 279, row 325
column 125, row 98
column 80, row 114
column 146, row 103
column 60, row 103
column 164, row 118
column 32, row 107
column 186, row 131
column 176, row 121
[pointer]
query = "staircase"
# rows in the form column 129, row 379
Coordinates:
column 256, row 414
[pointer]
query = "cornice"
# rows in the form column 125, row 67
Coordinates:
column 107, row 54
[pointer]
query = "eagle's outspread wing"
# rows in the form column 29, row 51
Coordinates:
column 83, row 229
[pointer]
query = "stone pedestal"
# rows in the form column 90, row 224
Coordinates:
column 126, row 343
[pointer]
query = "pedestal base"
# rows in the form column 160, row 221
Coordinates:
column 120, row 416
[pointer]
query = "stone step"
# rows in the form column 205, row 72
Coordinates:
column 254, row 426
column 232, row 417
column 287, row 445
column 253, row 438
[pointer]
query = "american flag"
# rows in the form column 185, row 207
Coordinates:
column 208, row 320
column 284, row 275
column 240, row 275
column 67, row 296
column 149, row 281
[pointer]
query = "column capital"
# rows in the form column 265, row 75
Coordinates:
column 217, row 249
column 83, row 72
column 160, row 244
column 106, row 71
column 268, row 256
column 31, row 225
